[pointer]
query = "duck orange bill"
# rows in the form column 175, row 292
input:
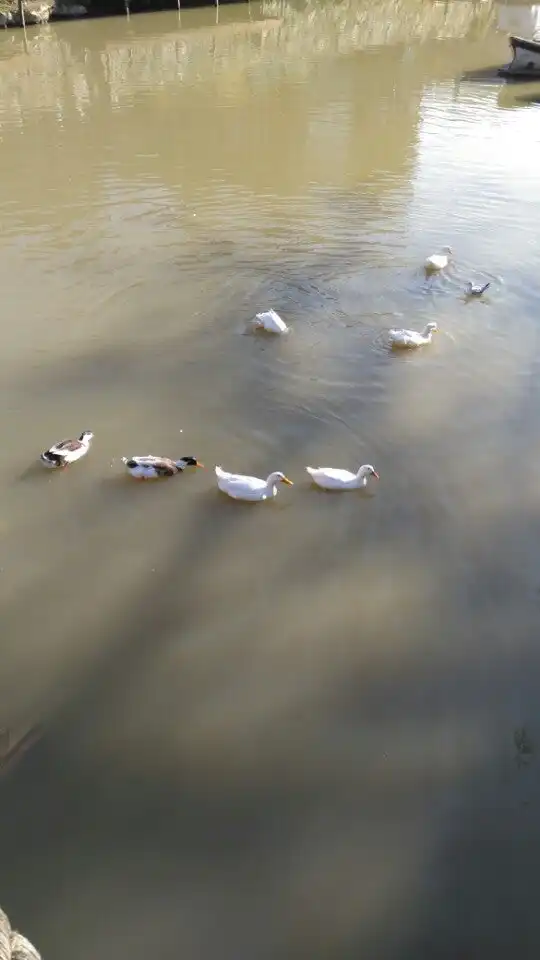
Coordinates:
column 201, row 465
column 376, row 475
column 287, row 481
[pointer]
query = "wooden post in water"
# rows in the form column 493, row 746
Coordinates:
column 20, row 6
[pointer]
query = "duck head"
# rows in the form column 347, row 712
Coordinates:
column 189, row 462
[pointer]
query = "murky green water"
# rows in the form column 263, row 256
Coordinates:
column 288, row 730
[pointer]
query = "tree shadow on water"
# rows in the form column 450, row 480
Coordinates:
column 356, row 813
column 303, row 754
column 368, row 822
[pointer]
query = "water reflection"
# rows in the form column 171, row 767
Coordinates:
column 522, row 20
column 140, row 58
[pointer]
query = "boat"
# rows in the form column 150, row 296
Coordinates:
column 526, row 59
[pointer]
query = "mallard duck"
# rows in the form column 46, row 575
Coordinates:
column 67, row 451
column 476, row 289
column 404, row 339
column 271, row 322
column 239, row 487
column 151, row 468
column 438, row 261
column 330, row 478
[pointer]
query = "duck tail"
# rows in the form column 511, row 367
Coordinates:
column 52, row 459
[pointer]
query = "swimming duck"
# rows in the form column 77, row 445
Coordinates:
column 151, row 468
column 67, row 451
column 404, row 339
column 330, row 478
column 270, row 321
column 438, row 261
column 240, row 487
column 476, row 289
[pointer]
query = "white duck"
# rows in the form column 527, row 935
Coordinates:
column 408, row 339
column 438, row 261
column 240, row 487
column 152, row 468
column 270, row 321
column 330, row 478
column 67, row 451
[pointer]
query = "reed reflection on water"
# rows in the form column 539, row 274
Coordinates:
column 287, row 730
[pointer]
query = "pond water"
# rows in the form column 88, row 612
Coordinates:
column 289, row 729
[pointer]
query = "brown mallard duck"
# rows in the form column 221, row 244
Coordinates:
column 152, row 468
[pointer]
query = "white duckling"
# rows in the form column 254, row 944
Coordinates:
column 438, row 261
column 270, row 321
column 240, row 487
column 408, row 339
column 65, row 452
column 152, row 468
column 476, row 289
column 330, row 478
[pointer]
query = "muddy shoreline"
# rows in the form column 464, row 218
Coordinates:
column 12, row 12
